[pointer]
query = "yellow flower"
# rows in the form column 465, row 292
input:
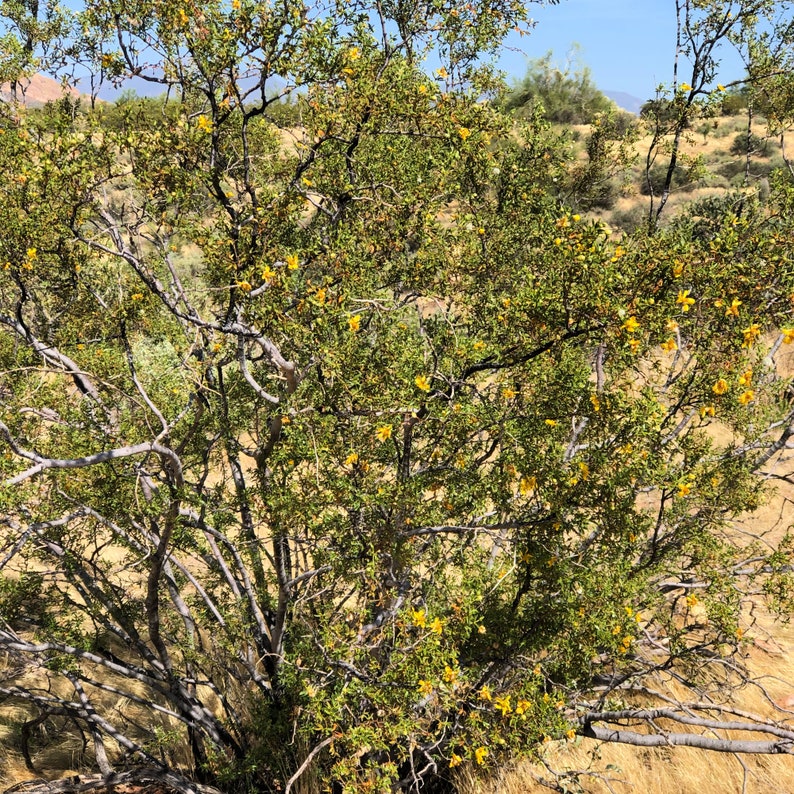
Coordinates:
column 684, row 87
column 464, row 132
column 31, row 254
column 422, row 383
column 508, row 393
column 747, row 397
column 442, row 73
column 571, row 734
column 691, row 600
column 576, row 217
column 351, row 459
column 422, row 89
column 236, row 5
column 733, row 309
column 204, row 123
column 631, row 325
column 450, row 675
column 584, row 470
column 551, row 422
column 244, row 286
column 354, row 323
column 136, row 296
column 485, row 693
column 684, row 300
column 669, row 345
column 503, row 704
column 720, row 387
column 455, row 760
column 425, row 687
column 746, row 378
column 684, row 489
column 383, row 433
column 671, row 325
column 678, row 268
column 707, row 410
column 419, row 618
column 527, row 484
column 480, row 754
column 292, row 261
column 268, row 274
column 634, row 345
column 595, row 402
column 720, row 87
column 437, row 627
column 751, row 334
column 353, row 54
column 479, row 346
column 522, row 707
column 788, row 335
column 320, row 295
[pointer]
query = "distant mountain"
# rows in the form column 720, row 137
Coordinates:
column 625, row 101
column 38, row 90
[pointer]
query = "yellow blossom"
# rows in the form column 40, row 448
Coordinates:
column 671, row 325
column 204, row 123
column 508, row 393
column 31, row 254
column 684, row 489
column 485, row 693
column 527, row 484
column 751, row 334
column 576, row 217
column 480, row 754
column 720, row 87
column 383, row 433
column 292, row 261
column 136, row 296
column 354, row 323
column 691, row 600
column 244, row 286
column 634, row 345
column 747, row 397
column 720, row 387
column 437, row 627
column 669, row 345
column 503, row 704
column 707, row 410
column 464, row 132
column 419, row 618
column 733, row 309
column 746, row 378
column 551, row 422
column 684, row 300
column 571, row 734
column 584, row 470
column 425, row 687
column 684, row 87
column 351, row 459
column 320, row 295
column 422, row 383
column 522, row 707
column 788, row 335
column 450, row 675
column 678, row 268
column 479, row 346
column 268, row 274
column 442, row 73
column 454, row 760
column 631, row 325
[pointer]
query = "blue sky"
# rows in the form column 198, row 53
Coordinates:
column 628, row 44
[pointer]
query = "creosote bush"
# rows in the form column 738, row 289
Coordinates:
column 349, row 452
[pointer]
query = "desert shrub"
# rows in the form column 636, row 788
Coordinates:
column 749, row 144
